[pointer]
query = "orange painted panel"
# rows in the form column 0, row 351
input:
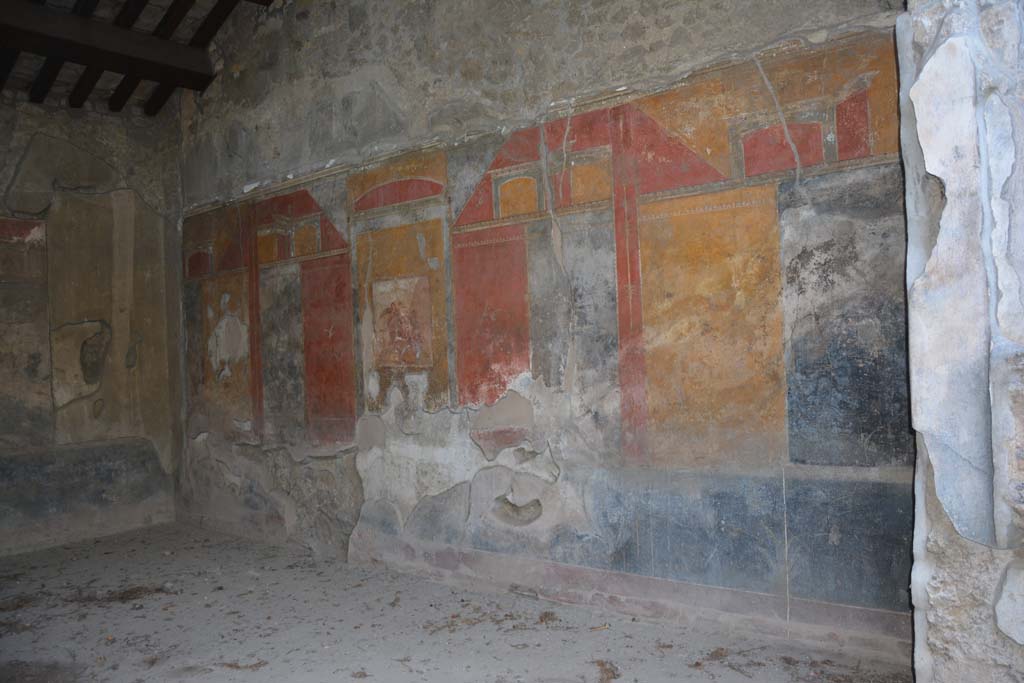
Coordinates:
column 407, row 319
column 591, row 182
column 700, row 111
column 268, row 247
column 305, row 239
column 712, row 312
column 517, row 197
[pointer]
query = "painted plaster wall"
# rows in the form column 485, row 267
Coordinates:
column 657, row 342
column 962, row 143
column 90, row 405
column 367, row 78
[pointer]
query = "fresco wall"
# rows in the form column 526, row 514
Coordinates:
column 658, row 340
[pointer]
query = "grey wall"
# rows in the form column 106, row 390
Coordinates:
column 90, row 401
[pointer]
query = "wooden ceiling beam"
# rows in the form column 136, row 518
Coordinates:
column 51, row 33
column 9, row 57
column 169, row 23
column 201, row 39
column 126, row 18
column 50, row 69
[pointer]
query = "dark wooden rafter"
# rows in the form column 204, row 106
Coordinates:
column 52, row 33
column 203, row 37
column 126, row 18
column 9, row 57
column 50, row 69
column 172, row 18
column 59, row 36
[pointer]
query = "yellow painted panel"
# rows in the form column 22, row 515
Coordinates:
column 266, row 247
column 711, row 291
column 591, row 182
column 517, row 197
column 304, row 239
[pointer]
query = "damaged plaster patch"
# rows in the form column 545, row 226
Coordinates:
column 485, row 477
column 229, row 342
column 1002, row 151
column 1010, row 603
column 50, row 164
column 508, row 422
column 79, row 358
column 949, row 309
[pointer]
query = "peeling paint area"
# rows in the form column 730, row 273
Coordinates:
column 658, row 340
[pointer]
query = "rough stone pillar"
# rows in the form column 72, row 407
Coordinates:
column 963, row 137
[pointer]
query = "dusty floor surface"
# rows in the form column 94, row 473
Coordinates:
column 176, row 603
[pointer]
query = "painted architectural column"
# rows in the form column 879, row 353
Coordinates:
column 962, row 119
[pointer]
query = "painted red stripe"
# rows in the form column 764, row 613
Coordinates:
column 632, row 369
column 248, row 248
column 853, row 131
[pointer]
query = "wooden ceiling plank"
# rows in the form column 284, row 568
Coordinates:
column 50, row 69
column 126, row 18
column 8, row 58
column 211, row 24
column 51, row 33
column 202, row 38
column 165, row 29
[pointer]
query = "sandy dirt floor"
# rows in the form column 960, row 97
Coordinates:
column 176, row 603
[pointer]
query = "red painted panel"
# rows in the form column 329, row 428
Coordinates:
column 198, row 264
column 660, row 161
column 232, row 257
column 398, row 192
column 586, row 131
column 492, row 311
column 15, row 229
column 296, row 205
column 767, row 150
column 291, row 205
column 632, row 370
column 521, row 147
column 853, row 128
column 328, row 341
column 330, row 237
column 480, row 206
